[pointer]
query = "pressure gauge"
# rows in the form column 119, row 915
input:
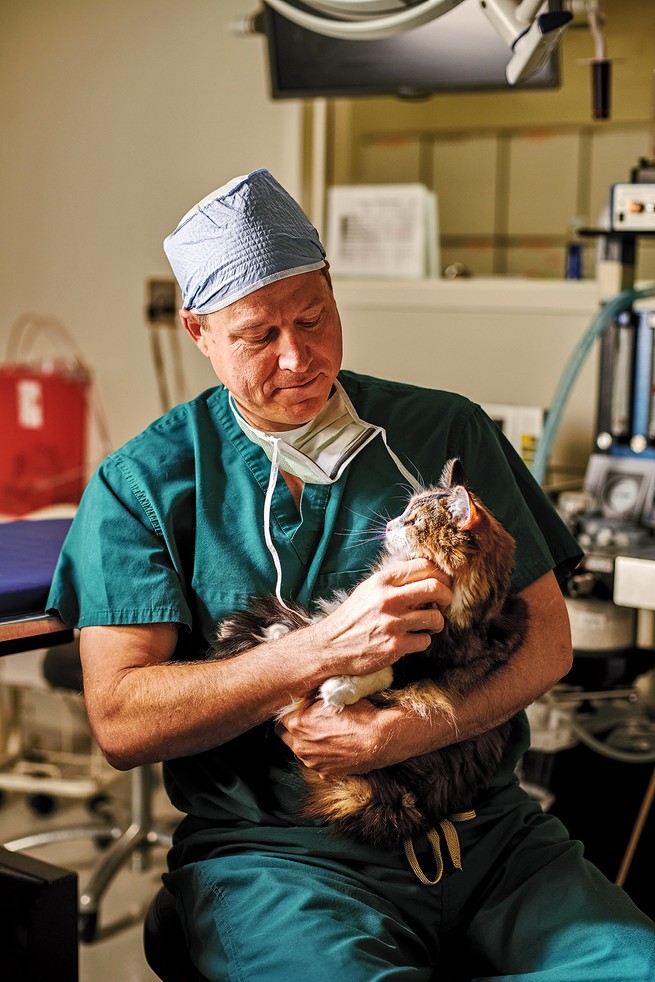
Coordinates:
column 621, row 495
column 622, row 488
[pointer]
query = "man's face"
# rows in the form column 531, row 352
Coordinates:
column 278, row 350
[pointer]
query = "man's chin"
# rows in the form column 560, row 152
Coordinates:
column 299, row 408
column 301, row 413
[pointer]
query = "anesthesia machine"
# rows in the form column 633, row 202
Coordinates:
column 593, row 744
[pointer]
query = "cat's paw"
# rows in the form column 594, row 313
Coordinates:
column 344, row 690
column 340, row 691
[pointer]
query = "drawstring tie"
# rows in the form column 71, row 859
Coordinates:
column 451, row 840
column 268, row 537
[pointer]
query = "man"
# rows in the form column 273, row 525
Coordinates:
column 270, row 483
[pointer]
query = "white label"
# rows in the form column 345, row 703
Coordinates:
column 30, row 404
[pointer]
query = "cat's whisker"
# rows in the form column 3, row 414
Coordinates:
column 372, row 514
column 375, row 530
column 363, row 541
column 382, row 516
column 369, row 530
column 367, row 533
column 409, row 491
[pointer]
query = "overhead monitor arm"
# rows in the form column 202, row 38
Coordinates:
column 531, row 35
column 349, row 21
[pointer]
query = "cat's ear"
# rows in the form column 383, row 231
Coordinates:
column 462, row 509
column 452, row 474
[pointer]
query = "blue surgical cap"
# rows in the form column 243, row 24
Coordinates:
column 246, row 234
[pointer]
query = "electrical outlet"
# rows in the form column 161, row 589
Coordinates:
column 161, row 300
column 632, row 207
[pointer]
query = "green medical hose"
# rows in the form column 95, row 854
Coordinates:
column 599, row 323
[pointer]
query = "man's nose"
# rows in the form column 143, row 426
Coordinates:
column 294, row 355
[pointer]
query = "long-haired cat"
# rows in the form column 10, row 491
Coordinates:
column 484, row 624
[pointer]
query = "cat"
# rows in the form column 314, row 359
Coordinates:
column 485, row 623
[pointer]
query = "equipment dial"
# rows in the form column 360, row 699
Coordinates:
column 621, row 494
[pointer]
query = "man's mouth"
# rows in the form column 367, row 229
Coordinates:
column 300, row 384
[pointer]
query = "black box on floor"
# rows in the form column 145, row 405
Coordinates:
column 38, row 920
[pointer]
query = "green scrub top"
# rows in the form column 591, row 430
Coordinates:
column 170, row 529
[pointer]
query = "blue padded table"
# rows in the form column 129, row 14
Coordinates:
column 28, row 555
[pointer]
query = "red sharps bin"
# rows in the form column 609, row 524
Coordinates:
column 43, row 427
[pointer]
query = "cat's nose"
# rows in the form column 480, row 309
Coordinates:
column 388, row 528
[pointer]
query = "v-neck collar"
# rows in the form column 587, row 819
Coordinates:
column 307, row 530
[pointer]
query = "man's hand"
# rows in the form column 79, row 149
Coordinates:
column 360, row 738
column 392, row 613
column 336, row 743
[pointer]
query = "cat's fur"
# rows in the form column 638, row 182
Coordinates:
column 485, row 623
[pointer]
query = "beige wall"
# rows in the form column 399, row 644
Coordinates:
column 116, row 117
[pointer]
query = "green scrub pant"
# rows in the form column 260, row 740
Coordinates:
column 526, row 905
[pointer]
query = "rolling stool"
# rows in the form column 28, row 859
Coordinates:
column 131, row 844
column 164, row 943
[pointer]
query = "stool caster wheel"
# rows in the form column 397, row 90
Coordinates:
column 87, row 926
column 99, row 804
column 42, row 804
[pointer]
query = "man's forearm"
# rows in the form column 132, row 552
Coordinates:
column 149, row 708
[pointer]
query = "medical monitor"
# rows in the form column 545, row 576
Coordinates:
column 458, row 52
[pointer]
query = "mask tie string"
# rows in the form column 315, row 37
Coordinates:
column 270, row 545
column 401, row 467
column 413, row 483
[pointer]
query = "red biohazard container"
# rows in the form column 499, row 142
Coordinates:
column 43, row 435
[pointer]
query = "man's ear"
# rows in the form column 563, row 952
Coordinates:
column 193, row 329
column 326, row 273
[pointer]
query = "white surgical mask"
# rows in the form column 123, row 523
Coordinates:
column 317, row 452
